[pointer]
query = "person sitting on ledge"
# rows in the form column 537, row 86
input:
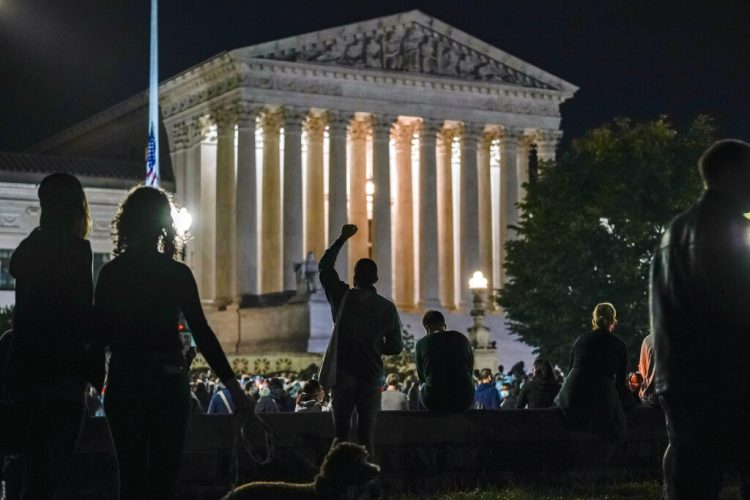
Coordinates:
column 444, row 365
column 590, row 396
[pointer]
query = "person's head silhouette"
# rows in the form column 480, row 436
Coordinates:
column 365, row 273
column 64, row 206
column 725, row 166
column 144, row 223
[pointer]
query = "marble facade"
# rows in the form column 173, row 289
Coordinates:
column 275, row 146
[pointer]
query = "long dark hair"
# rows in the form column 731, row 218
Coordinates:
column 64, row 205
column 144, row 219
column 543, row 371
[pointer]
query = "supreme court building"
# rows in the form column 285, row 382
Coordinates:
column 418, row 133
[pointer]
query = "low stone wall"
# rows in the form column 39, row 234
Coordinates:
column 418, row 452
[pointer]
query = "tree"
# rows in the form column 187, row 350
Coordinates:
column 589, row 226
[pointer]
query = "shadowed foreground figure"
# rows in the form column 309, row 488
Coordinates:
column 54, row 292
column 346, row 466
column 369, row 327
column 139, row 297
column 700, row 314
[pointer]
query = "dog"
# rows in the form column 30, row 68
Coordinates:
column 345, row 466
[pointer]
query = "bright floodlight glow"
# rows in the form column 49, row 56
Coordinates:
column 182, row 219
column 369, row 185
column 478, row 281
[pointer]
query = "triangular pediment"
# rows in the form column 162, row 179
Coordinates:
column 411, row 42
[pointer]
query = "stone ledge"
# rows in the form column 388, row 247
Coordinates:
column 418, row 451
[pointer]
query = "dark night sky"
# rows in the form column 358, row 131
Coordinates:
column 64, row 60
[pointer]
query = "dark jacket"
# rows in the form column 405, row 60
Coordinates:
column 538, row 394
column 700, row 301
column 486, row 397
column 444, row 364
column 590, row 396
column 52, row 319
column 370, row 326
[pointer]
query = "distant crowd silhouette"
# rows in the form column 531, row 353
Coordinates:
column 700, row 313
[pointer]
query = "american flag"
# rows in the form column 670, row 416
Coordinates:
column 152, row 174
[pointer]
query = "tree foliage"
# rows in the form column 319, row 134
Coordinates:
column 589, row 226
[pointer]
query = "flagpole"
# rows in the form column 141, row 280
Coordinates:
column 152, row 159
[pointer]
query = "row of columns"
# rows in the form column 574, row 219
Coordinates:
column 233, row 261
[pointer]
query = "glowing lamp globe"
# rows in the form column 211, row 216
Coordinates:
column 182, row 220
column 478, row 281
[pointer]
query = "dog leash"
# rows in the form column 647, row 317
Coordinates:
column 241, row 437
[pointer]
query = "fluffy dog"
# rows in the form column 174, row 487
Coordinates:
column 345, row 466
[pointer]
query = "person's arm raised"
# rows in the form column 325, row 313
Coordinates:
column 329, row 278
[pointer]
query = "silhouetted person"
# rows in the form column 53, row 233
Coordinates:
column 590, row 396
column 700, row 313
column 370, row 327
column 540, row 391
column 54, row 292
column 139, row 297
column 444, row 364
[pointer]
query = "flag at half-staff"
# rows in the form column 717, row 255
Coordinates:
column 152, row 151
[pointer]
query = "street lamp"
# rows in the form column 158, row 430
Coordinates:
column 182, row 222
column 479, row 335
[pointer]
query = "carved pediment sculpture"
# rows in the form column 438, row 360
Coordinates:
column 412, row 48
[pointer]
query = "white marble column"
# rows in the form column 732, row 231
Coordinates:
column 193, row 196
column 207, row 212
column 508, row 193
column 428, row 214
column 546, row 144
column 178, row 153
column 403, row 258
column 469, row 230
column 338, row 123
column 225, row 208
column 358, row 245
column 246, row 217
column 522, row 165
column 293, row 217
column 485, row 208
column 381, row 203
column 315, row 199
column 271, row 251
column 445, row 210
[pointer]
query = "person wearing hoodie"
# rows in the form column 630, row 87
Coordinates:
column 54, row 298
column 279, row 395
column 310, row 398
column 486, row 396
column 540, row 391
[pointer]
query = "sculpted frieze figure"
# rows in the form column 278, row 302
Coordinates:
column 413, row 48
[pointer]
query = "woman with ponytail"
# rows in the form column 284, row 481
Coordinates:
column 589, row 398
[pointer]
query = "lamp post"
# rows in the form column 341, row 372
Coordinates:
column 182, row 222
column 479, row 335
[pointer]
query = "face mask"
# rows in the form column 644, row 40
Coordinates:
column 504, row 394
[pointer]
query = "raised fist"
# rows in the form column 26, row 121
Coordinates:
column 348, row 231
